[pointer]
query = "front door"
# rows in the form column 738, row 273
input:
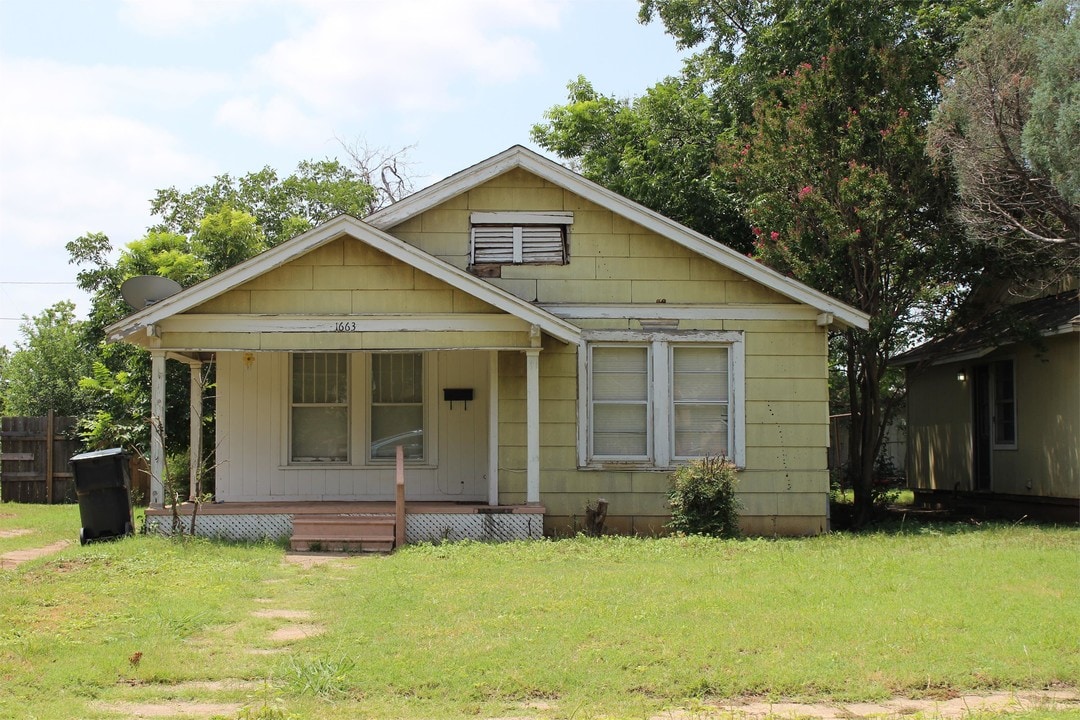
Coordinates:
column 463, row 426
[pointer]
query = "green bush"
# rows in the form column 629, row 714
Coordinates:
column 702, row 498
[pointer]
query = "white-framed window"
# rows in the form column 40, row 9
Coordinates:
column 1004, row 398
column 397, row 409
column 319, row 408
column 520, row 238
column 653, row 399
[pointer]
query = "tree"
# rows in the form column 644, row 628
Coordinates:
column 1009, row 128
column 657, row 150
column 837, row 185
column 817, row 109
column 43, row 372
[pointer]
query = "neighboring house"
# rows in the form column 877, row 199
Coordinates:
column 534, row 342
column 994, row 412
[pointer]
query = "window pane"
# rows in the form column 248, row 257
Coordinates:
column 620, row 430
column 700, row 374
column 701, row 430
column 1004, row 403
column 393, row 425
column 320, row 378
column 320, row 433
column 620, row 373
column 397, row 405
column 397, row 378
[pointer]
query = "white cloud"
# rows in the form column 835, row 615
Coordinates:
column 355, row 59
column 175, row 17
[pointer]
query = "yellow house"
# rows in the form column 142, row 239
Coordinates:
column 532, row 341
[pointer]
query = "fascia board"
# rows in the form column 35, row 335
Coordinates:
column 520, row 157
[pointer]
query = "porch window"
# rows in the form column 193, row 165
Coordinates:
column 397, row 405
column 1004, row 405
column 663, row 401
column 506, row 238
column 320, row 407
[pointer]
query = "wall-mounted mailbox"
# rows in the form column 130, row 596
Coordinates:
column 451, row 395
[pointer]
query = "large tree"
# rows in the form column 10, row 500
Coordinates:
column 817, row 112
column 1009, row 128
column 200, row 232
column 44, row 370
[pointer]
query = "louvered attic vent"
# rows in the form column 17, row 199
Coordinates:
column 511, row 238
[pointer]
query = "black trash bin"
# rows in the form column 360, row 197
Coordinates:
column 103, row 486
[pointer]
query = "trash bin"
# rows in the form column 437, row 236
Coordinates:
column 103, row 487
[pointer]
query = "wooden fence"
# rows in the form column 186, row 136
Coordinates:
column 35, row 454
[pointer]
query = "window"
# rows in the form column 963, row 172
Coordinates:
column 663, row 401
column 320, row 408
column 506, row 238
column 397, row 405
column 620, row 402
column 699, row 396
column 1004, row 404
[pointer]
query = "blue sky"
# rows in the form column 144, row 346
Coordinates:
column 107, row 101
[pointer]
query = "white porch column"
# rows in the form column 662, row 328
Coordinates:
column 493, row 427
column 532, row 420
column 195, row 446
column 157, row 428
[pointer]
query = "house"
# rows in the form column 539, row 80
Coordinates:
column 993, row 412
column 530, row 339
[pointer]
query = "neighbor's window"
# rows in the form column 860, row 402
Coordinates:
column 1004, row 404
column 662, row 402
column 320, row 407
column 397, row 405
column 520, row 238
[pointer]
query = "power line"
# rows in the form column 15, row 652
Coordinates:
column 37, row 282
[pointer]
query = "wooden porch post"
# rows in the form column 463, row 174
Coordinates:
column 157, row 428
column 493, row 427
column 532, row 419
column 195, row 449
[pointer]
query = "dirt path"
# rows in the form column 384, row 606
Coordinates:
column 16, row 557
column 952, row 709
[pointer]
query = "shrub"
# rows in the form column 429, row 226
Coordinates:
column 702, row 498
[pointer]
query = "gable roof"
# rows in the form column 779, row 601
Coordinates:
column 343, row 225
column 521, row 157
column 1042, row 317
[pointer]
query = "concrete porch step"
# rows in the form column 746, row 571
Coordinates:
column 343, row 533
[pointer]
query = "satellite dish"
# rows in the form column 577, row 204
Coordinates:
column 144, row 290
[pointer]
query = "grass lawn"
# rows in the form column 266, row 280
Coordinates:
column 581, row 628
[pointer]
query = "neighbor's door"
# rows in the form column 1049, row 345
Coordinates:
column 981, row 428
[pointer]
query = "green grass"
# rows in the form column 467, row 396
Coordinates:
column 582, row 628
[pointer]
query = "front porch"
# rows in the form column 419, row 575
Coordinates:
column 424, row 521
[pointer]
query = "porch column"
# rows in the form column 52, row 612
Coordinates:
column 195, row 447
column 532, row 420
column 157, row 428
column 493, row 427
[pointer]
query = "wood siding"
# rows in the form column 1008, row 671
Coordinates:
column 784, row 488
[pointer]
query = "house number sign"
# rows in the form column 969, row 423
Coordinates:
column 345, row 326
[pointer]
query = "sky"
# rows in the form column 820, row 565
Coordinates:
column 105, row 102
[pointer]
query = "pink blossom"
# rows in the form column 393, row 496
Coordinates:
column 774, row 235
column 806, row 190
column 756, row 230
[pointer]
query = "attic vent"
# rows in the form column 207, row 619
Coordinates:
column 520, row 238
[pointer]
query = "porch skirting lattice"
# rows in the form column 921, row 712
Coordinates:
column 454, row 523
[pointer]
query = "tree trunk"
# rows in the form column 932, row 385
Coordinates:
column 864, row 383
